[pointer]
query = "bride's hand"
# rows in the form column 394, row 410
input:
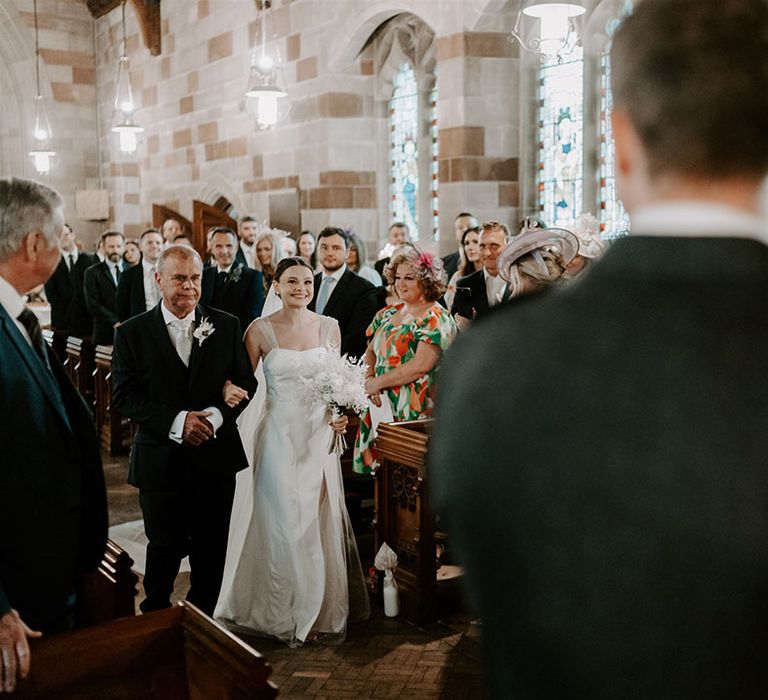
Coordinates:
column 339, row 425
column 233, row 394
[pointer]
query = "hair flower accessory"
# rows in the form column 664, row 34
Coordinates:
column 204, row 330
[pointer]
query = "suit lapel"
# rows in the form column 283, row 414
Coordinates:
column 507, row 293
column 37, row 369
column 318, row 281
column 108, row 274
column 337, row 295
column 163, row 340
column 198, row 349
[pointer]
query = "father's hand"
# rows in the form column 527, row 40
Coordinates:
column 14, row 650
column 197, row 429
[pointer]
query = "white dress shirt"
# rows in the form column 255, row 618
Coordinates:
column 13, row 303
column 151, row 291
column 177, row 427
column 249, row 251
column 70, row 254
column 698, row 218
column 494, row 288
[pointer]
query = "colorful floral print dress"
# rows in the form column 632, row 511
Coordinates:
column 393, row 345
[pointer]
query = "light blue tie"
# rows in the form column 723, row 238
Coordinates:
column 322, row 296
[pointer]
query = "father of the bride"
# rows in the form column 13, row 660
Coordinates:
column 178, row 371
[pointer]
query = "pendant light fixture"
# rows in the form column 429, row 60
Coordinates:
column 42, row 151
column 557, row 33
column 122, row 117
column 265, row 81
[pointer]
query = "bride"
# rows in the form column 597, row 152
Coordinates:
column 292, row 568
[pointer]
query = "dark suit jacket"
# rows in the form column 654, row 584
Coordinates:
column 615, row 531
column 379, row 266
column 64, row 291
column 151, row 385
column 239, row 258
column 242, row 295
column 53, row 509
column 353, row 303
column 476, row 298
column 130, row 299
column 101, row 298
column 451, row 264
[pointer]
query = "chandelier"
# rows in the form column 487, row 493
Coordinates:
column 42, row 152
column 557, row 35
column 265, row 80
column 124, row 106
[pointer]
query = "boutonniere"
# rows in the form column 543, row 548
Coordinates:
column 204, row 330
column 236, row 273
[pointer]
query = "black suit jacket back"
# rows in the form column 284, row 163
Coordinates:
column 242, row 295
column 353, row 303
column 151, row 386
column 64, row 291
column 101, row 298
column 610, row 507
column 53, row 517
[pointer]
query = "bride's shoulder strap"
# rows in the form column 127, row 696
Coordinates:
column 327, row 336
column 265, row 330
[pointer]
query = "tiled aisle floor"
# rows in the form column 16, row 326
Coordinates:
column 381, row 658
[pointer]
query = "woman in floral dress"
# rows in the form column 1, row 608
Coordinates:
column 406, row 342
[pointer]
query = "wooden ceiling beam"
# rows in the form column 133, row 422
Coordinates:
column 147, row 12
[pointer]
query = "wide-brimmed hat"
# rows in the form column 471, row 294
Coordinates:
column 559, row 241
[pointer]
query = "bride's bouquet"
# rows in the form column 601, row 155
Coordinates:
column 337, row 383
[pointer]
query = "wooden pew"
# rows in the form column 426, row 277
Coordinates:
column 115, row 431
column 171, row 654
column 79, row 366
column 57, row 341
column 109, row 592
column 403, row 520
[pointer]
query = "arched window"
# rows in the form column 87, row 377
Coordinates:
column 612, row 216
column 560, row 138
column 405, row 61
column 404, row 130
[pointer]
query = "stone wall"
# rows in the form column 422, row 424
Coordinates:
column 68, row 84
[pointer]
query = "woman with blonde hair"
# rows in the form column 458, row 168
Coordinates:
column 269, row 252
column 357, row 259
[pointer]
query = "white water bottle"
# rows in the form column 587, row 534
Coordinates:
column 391, row 595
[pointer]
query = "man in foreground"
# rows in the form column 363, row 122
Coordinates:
column 611, row 516
column 53, row 505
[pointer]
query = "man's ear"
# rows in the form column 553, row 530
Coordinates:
column 34, row 243
column 626, row 141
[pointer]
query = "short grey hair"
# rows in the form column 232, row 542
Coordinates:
column 177, row 251
column 27, row 206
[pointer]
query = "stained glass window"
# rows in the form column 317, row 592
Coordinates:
column 561, row 128
column 614, row 220
column 404, row 129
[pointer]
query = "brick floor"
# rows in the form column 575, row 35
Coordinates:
column 381, row 658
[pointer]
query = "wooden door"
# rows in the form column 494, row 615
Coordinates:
column 206, row 216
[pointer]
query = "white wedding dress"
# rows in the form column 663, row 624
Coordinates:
column 292, row 569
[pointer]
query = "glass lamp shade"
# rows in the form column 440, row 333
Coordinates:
column 261, row 103
column 128, row 135
column 42, row 152
column 554, row 18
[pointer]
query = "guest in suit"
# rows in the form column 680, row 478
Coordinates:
column 614, row 539
column 177, row 369
column 170, row 229
column 247, row 230
column 64, row 289
column 461, row 223
column 137, row 290
column 398, row 235
column 231, row 286
column 477, row 293
column 100, row 285
column 53, row 514
column 342, row 294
